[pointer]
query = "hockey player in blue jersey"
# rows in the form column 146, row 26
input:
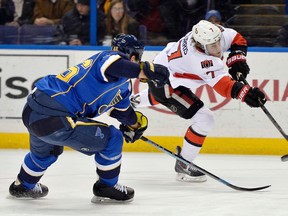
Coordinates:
column 59, row 110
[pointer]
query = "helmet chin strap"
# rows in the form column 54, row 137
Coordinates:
column 205, row 50
column 203, row 47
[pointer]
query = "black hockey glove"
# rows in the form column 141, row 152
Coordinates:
column 130, row 134
column 158, row 74
column 236, row 62
column 252, row 96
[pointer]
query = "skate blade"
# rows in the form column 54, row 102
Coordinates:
column 22, row 197
column 105, row 200
column 186, row 178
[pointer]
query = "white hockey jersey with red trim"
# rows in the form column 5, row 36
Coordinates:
column 191, row 67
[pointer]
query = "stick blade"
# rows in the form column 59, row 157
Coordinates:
column 249, row 189
column 243, row 188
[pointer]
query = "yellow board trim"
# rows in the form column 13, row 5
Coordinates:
column 253, row 146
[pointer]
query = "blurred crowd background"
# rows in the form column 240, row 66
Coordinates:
column 155, row 22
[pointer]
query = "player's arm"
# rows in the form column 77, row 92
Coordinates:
column 122, row 67
column 236, row 60
column 123, row 111
column 239, row 43
column 233, row 89
column 133, row 123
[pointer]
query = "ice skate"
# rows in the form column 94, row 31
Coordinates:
column 186, row 173
column 18, row 190
column 116, row 193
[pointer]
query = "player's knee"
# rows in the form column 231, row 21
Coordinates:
column 57, row 150
column 111, row 155
column 180, row 103
column 203, row 121
column 189, row 113
column 115, row 142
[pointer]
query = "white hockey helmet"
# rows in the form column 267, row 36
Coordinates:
column 205, row 32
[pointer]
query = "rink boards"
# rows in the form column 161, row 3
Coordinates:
column 212, row 145
column 238, row 128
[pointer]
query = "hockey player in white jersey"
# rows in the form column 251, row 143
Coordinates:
column 193, row 61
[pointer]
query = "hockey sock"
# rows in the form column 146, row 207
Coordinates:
column 108, row 169
column 33, row 168
column 192, row 144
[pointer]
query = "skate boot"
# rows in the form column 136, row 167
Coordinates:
column 116, row 193
column 186, row 173
column 18, row 190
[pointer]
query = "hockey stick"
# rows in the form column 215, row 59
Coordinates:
column 284, row 157
column 177, row 157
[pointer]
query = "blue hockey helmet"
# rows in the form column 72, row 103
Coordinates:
column 129, row 45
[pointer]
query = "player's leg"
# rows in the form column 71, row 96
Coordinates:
column 93, row 137
column 202, row 123
column 33, row 168
column 42, row 154
column 187, row 105
column 108, row 162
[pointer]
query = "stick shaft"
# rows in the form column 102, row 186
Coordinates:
column 161, row 148
column 268, row 114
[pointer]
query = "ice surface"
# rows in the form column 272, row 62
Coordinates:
column 71, row 178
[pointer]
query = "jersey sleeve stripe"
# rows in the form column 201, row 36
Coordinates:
column 106, row 65
column 187, row 76
column 239, row 40
column 224, row 86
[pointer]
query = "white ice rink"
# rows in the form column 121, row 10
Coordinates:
column 71, row 178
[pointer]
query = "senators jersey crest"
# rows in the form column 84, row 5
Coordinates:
column 206, row 63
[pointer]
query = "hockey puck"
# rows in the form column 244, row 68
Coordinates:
column 284, row 158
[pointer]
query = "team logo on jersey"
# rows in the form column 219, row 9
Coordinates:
column 99, row 133
column 206, row 63
column 102, row 109
column 117, row 98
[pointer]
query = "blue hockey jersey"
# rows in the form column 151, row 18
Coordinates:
column 93, row 86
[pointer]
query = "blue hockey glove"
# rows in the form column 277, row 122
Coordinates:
column 130, row 134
